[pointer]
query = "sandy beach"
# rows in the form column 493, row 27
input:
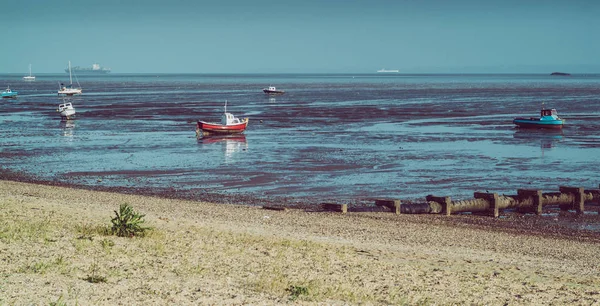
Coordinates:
column 52, row 245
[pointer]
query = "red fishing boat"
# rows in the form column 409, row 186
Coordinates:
column 229, row 125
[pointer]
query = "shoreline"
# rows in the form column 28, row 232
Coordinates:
column 207, row 253
column 552, row 222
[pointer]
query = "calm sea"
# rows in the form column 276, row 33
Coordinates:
column 343, row 137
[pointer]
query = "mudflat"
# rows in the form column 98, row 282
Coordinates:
column 54, row 250
column 330, row 135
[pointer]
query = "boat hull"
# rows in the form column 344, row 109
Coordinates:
column 69, row 92
column 273, row 92
column 67, row 113
column 9, row 95
column 538, row 124
column 209, row 128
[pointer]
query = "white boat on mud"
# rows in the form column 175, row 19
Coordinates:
column 66, row 110
column 272, row 90
column 69, row 90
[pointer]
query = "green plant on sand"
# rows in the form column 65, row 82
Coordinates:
column 127, row 222
column 297, row 291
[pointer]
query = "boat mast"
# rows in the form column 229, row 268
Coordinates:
column 29, row 69
column 70, row 78
column 225, row 106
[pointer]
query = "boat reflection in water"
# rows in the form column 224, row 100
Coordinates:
column 231, row 144
column 546, row 138
column 67, row 127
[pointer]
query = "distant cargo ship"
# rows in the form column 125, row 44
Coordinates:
column 95, row 69
column 384, row 70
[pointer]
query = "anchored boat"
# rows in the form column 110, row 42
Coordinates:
column 271, row 90
column 66, row 110
column 69, row 90
column 8, row 93
column 29, row 78
column 229, row 125
column 548, row 120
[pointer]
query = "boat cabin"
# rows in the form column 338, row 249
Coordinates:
column 229, row 119
column 64, row 106
column 549, row 113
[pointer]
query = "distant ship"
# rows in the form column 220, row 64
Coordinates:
column 384, row 70
column 95, row 69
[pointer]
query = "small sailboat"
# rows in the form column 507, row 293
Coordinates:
column 69, row 90
column 9, row 93
column 66, row 110
column 229, row 125
column 29, row 78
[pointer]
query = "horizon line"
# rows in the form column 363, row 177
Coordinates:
column 340, row 73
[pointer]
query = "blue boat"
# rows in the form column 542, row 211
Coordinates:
column 8, row 93
column 548, row 120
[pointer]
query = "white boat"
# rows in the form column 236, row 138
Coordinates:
column 66, row 110
column 29, row 77
column 271, row 90
column 385, row 70
column 69, row 90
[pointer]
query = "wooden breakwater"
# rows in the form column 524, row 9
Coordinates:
column 526, row 200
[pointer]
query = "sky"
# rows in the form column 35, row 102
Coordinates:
column 302, row 36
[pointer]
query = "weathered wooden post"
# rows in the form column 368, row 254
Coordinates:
column 343, row 208
column 592, row 195
column 492, row 198
column 444, row 201
column 578, row 201
column 394, row 205
column 535, row 195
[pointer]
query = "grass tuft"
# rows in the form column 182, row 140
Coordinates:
column 297, row 291
column 127, row 222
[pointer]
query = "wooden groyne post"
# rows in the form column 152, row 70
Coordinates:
column 535, row 196
column 394, row 205
column 446, row 203
column 577, row 201
column 343, row 208
column 493, row 200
